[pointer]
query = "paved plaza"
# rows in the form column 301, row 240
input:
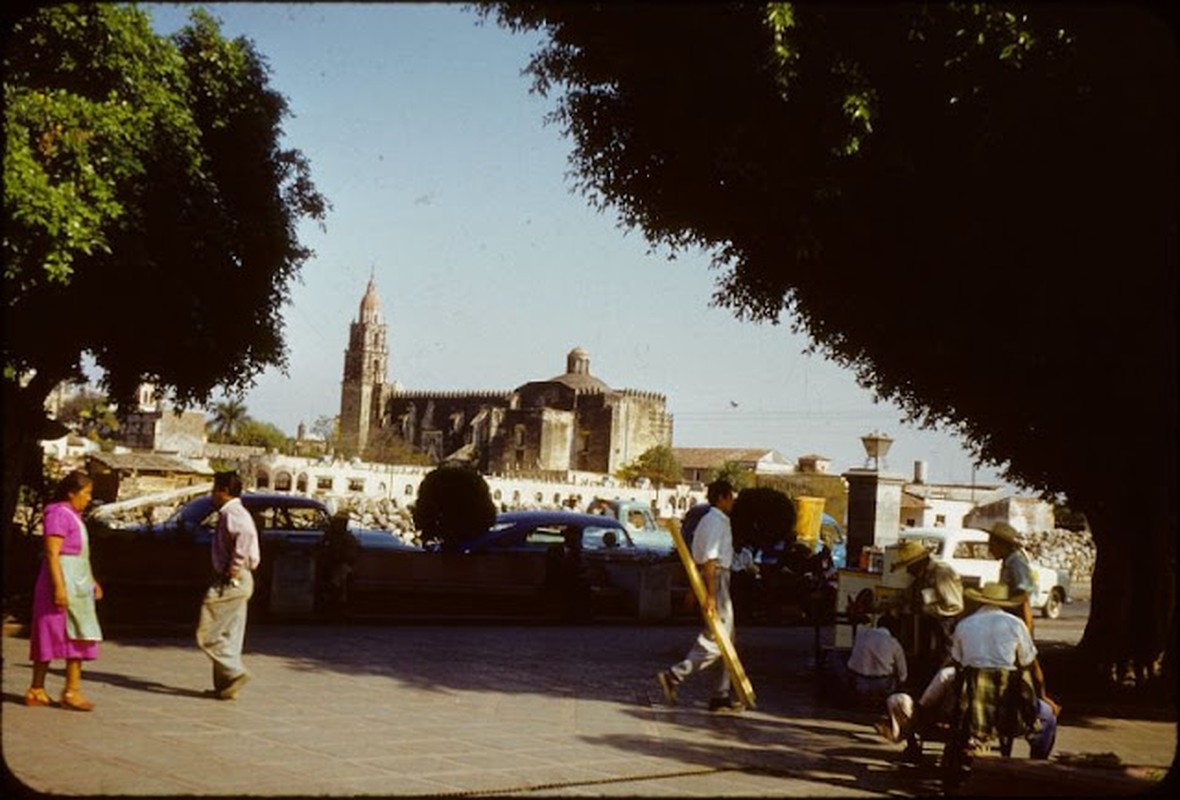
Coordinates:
column 464, row 710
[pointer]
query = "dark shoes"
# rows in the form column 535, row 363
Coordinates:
column 729, row 703
column 668, row 686
column 234, row 686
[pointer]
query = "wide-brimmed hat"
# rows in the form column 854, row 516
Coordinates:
column 910, row 552
column 994, row 594
column 1005, row 533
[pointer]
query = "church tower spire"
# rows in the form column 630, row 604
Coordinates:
column 365, row 363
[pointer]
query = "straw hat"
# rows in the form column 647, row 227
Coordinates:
column 1005, row 533
column 994, row 594
column 909, row 553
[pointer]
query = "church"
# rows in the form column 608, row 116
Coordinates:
column 572, row 422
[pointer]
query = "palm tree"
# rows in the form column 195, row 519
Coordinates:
column 228, row 417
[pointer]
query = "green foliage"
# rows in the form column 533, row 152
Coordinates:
column 453, row 506
column 254, row 433
column 228, row 417
column 844, row 162
column 658, row 464
column 150, row 214
column 327, row 428
column 89, row 414
column 136, row 161
column 761, row 517
column 841, row 162
column 739, row 477
column 386, row 446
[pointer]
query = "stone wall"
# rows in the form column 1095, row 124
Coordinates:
column 1063, row 549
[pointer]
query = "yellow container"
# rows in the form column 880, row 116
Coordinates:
column 808, row 516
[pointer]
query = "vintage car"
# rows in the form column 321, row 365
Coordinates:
column 640, row 522
column 522, row 566
column 146, row 568
column 966, row 550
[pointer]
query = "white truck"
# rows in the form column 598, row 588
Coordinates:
column 966, row 550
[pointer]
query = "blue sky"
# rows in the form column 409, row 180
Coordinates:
column 448, row 187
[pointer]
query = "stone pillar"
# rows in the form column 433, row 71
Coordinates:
column 874, row 509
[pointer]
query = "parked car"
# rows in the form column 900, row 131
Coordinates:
column 523, row 564
column 966, row 550
column 169, row 562
column 640, row 522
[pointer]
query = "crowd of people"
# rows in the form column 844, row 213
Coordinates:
column 970, row 662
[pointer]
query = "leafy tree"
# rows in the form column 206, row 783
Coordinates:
column 762, row 517
column 261, row 434
column 228, row 417
column 658, row 464
column 846, row 164
column 386, row 446
column 739, row 477
column 149, row 212
column 327, row 427
column 89, row 414
column 454, row 506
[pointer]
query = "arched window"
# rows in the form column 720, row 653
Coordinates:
column 409, row 490
column 301, row 483
column 496, row 495
column 283, row 482
column 262, row 479
column 540, row 497
column 557, row 498
column 516, row 496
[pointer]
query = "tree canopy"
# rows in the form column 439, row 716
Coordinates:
column 150, row 209
column 762, row 517
column 658, row 464
column 740, row 477
column 454, row 505
column 971, row 206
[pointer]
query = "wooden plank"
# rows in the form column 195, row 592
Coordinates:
column 737, row 673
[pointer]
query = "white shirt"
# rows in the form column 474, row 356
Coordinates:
column 713, row 539
column 875, row 653
column 991, row 637
column 743, row 560
column 235, row 542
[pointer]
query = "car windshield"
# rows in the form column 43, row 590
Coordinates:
column 191, row 512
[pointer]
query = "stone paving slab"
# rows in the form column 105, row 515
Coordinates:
column 465, row 710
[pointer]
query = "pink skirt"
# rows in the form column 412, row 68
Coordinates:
column 47, row 634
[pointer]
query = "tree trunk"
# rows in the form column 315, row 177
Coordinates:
column 24, row 422
column 1130, row 637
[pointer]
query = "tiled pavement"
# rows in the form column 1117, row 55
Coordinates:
column 415, row 709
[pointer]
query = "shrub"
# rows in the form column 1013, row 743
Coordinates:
column 454, row 506
column 762, row 517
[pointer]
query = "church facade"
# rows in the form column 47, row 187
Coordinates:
column 572, row 422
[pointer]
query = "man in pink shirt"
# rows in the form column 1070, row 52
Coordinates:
column 236, row 555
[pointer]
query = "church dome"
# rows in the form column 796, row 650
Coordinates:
column 577, row 373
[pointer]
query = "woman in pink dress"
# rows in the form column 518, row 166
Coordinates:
column 64, row 580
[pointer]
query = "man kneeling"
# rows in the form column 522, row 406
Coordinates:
column 989, row 690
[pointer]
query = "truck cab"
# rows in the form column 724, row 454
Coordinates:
column 966, row 550
column 637, row 517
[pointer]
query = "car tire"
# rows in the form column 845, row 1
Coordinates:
column 1052, row 607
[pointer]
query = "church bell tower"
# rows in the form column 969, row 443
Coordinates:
column 365, row 364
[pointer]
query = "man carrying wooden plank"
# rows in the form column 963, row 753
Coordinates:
column 712, row 549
